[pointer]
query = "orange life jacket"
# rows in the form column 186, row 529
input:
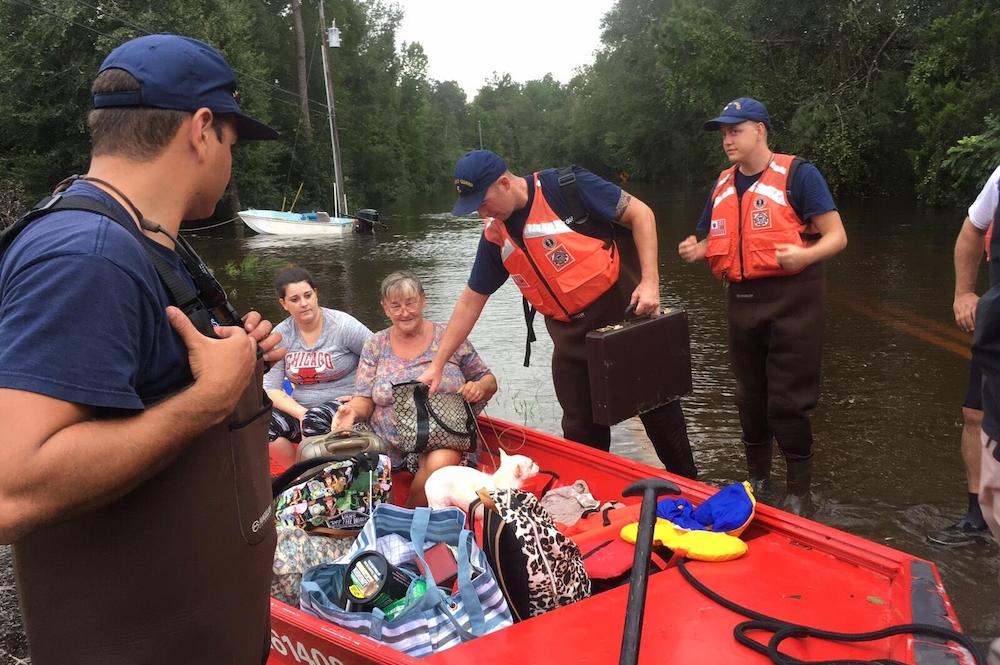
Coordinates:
column 988, row 240
column 558, row 270
column 744, row 232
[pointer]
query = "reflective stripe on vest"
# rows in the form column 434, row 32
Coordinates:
column 559, row 271
column 743, row 232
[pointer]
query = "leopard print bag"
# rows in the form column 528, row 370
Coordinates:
column 538, row 568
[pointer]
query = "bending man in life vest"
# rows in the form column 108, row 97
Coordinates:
column 767, row 227
column 580, row 253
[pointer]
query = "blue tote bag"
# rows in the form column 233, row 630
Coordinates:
column 434, row 621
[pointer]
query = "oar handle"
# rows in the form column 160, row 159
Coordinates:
column 650, row 489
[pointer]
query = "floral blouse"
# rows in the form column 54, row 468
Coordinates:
column 380, row 368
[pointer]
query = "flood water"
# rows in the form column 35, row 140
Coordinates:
column 888, row 425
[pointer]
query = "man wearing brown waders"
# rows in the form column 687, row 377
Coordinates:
column 768, row 225
column 134, row 483
column 581, row 250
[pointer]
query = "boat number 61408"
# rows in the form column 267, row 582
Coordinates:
column 284, row 646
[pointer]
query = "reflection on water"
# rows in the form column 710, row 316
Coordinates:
column 887, row 427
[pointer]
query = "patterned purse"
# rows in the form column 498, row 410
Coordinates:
column 428, row 422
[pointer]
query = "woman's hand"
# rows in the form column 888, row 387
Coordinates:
column 479, row 391
column 472, row 392
column 344, row 418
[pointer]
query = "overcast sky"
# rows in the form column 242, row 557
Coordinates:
column 466, row 41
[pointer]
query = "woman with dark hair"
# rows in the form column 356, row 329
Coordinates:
column 399, row 354
column 324, row 346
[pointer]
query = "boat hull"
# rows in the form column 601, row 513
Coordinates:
column 273, row 222
column 795, row 569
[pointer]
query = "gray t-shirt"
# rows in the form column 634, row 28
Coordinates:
column 324, row 371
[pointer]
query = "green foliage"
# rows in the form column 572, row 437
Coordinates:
column 886, row 96
column 953, row 84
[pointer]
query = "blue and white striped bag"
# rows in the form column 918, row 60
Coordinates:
column 434, row 621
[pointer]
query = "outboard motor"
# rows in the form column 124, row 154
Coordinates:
column 365, row 221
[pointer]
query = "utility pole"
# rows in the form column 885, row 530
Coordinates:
column 300, row 61
column 480, row 134
column 331, row 38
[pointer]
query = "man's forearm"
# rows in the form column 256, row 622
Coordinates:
column 463, row 319
column 639, row 217
column 91, row 463
column 968, row 254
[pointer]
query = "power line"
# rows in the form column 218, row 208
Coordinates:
column 143, row 30
column 318, row 112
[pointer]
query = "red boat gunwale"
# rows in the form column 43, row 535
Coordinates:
column 873, row 586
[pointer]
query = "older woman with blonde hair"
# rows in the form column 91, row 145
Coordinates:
column 399, row 354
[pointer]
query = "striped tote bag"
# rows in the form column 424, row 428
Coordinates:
column 433, row 622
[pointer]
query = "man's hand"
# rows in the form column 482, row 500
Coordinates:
column 262, row 332
column 965, row 311
column 221, row 367
column 792, row 258
column 691, row 250
column 646, row 298
column 432, row 377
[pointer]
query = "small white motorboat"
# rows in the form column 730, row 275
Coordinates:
column 275, row 222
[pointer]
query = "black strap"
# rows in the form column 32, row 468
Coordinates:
column 180, row 292
column 792, row 168
column 529, row 320
column 306, row 469
column 782, row 630
column 553, row 477
column 567, row 184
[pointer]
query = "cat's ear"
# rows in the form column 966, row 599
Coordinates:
column 503, row 456
column 518, row 471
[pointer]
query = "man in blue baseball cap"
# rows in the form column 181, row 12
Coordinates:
column 768, row 226
column 135, row 478
column 581, row 250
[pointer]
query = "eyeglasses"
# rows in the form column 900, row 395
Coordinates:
column 410, row 305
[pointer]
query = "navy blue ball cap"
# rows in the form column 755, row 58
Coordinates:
column 740, row 110
column 474, row 173
column 182, row 74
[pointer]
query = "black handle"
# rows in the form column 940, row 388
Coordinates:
column 650, row 489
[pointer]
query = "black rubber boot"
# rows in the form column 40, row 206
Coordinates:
column 971, row 528
column 799, row 480
column 758, row 467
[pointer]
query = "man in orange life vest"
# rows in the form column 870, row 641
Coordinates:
column 770, row 223
column 580, row 274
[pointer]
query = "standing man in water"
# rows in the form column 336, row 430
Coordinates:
column 986, row 353
column 134, row 483
column 972, row 240
column 767, row 227
column 581, row 250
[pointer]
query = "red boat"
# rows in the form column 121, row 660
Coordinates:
column 795, row 569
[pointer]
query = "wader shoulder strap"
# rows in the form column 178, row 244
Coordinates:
column 567, row 185
column 529, row 320
column 792, row 168
column 180, row 292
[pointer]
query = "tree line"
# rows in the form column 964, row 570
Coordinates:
column 888, row 97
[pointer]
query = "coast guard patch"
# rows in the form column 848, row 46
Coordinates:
column 718, row 227
column 761, row 220
column 519, row 281
column 560, row 257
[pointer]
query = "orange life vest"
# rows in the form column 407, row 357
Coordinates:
column 989, row 239
column 558, row 270
column 742, row 238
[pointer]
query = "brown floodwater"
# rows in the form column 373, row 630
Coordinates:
column 895, row 368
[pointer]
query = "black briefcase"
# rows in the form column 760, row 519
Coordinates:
column 638, row 365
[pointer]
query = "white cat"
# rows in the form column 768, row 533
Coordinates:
column 457, row 485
